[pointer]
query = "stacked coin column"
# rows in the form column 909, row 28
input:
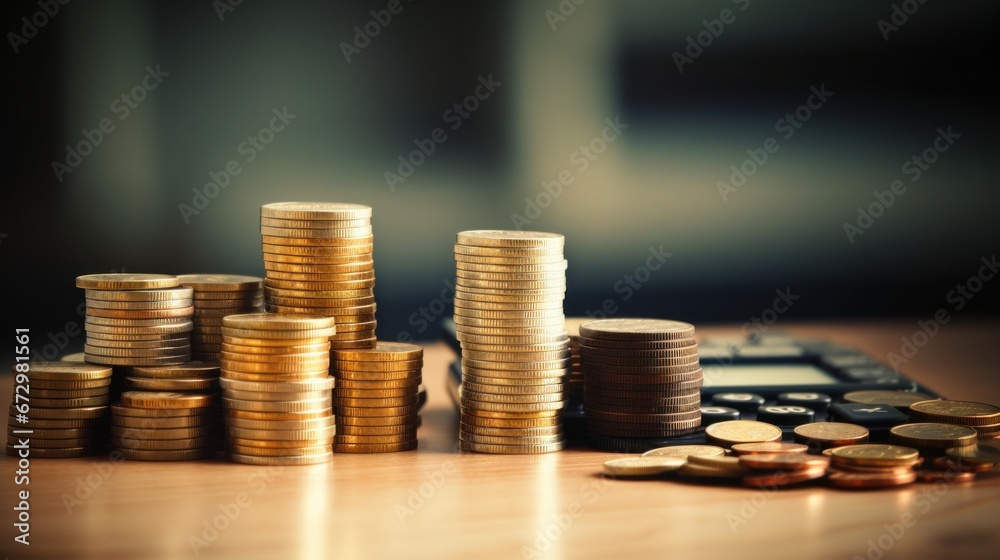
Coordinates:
column 318, row 261
column 215, row 296
column 642, row 382
column 510, row 288
column 376, row 398
column 136, row 320
column 164, row 426
column 276, row 388
column 65, row 411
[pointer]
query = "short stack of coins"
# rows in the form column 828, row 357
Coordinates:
column 377, row 397
column 276, row 388
column 318, row 261
column 64, row 412
column 982, row 417
column 872, row 465
column 137, row 319
column 189, row 377
column 215, row 296
column 509, row 319
column 164, row 426
column 642, row 382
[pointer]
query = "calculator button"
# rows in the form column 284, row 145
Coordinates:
column 817, row 402
column 784, row 415
column 746, row 403
column 867, row 415
column 712, row 414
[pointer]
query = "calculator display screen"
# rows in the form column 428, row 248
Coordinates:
column 745, row 375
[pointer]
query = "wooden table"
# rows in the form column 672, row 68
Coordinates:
column 439, row 503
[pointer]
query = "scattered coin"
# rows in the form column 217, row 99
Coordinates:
column 644, row 466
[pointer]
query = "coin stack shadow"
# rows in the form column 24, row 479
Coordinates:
column 376, row 398
column 136, row 320
column 215, row 296
column 164, row 426
column 642, row 382
column 318, row 261
column 190, row 377
column 509, row 319
column 66, row 410
column 276, row 388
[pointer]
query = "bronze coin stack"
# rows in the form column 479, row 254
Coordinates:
column 215, row 296
column 376, row 398
column 276, row 388
column 165, row 426
column 318, row 261
column 642, row 382
column 509, row 319
column 65, row 409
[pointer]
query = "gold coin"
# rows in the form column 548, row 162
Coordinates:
column 543, row 299
column 620, row 354
column 625, row 346
column 934, row 435
column 274, row 377
column 140, row 313
column 685, row 451
column 163, row 444
column 963, row 413
column 495, row 375
column 769, row 448
column 312, row 366
column 230, row 306
column 539, row 384
column 394, row 352
column 316, row 253
column 468, row 305
column 518, row 335
column 279, row 435
column 511, row 398
column 547, row 365
column 367, row 327
column 874, row 455
column 280, row 451
column 545, row 323
column 68, row 393
column 279, row 416
column 476, row 429
column 338, row 242
column 221, row 282
column 167, row 294
column 644, row 466
column 119, row 411
column 510, row 315
column 318, row 233
column 79, row 402
column 288, row 358
column 311, row 267
column 561, row 345
column 321, row 303
column 203, row 294
column 38, row 443
column 314, row 277
column 831, row 433
column 168, row 423
column 380, row 393
column 311, row 424
column 370, row 421
column 270, row 334
column 164, row 399
column 276, row 396
column 467, row 259
column 378, row 384
column 374, row 447
column 311, row 459
column 126, row 281
column 154, row 305
column 636, row 329
column 899, row 399
column 239, row 349
column 163, row 343
column 127, row 433
column 57, row 453
column 512, row 449
column 467, row 437
column 377, row 410
column 314, row 224
column 556, row 284
column 275, row 343
column 312, row 405
column 477, row 388
column 465, row 276
column 409, row 429
column 167, row 455
column 540, row 253
column 62, row 371
column 64, row 433
column 46, row 423
column 353, row 344
column 511, row 268
column 510, row 238
column 108, row 353
column 144, row 330
column 384, row 402
column 136, row 323
column 315, row 211
column 388, row 439
column 172, row 384
column 133, row 361
column 725, row 434
column 279, row 444
column 511, row 407
column 506, row 291
column 188, row 370
column 314, row 287
column 517, row 357
column 273, row 322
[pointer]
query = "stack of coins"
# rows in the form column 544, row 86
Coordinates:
column 63, row 414
column 189, row 377
column 137, row 319
column 290, row 420
column 318, row 261
column 932, row 439
column 509, row 319
column 215, row 296
column 164, row 426
column 872, row 465
column 779, row 464
column 574, row 376
column 642, row 382
column 376, row 398
column 982, row 417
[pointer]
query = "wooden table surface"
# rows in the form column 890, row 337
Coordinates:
column 439, row 503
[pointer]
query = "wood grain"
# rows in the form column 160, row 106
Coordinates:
column 438, row 503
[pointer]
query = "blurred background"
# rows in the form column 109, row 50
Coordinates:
column 688, row 87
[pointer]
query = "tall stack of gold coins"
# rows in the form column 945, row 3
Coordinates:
column 642, row 382
column 509, row 319
column 318, row 261
column 63, row 413
column 137, row 319
column 164, row 426
column 276, row 388
column 215, row 296
column 376, row 398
